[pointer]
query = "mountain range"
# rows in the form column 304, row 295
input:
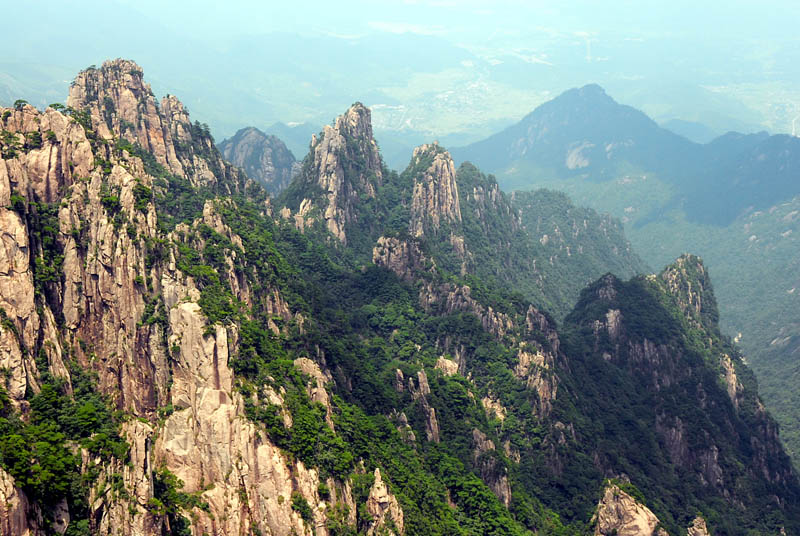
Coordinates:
column 369, row 352
column 733, row 201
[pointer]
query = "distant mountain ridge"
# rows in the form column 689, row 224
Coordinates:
column 585, row 134
column 691, row 130
column 264, row 158
column 735, row 201
column 573, row 134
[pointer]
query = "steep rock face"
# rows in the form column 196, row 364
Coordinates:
column 491, row 471
column 420, row 392
column 657, row 332
column 435, row 200
column 136, row 303
column 92, row 292
column 265, row 158
column 447, row 366
column 688, row 281
column 122, row 105
column 345, row 167
column 17, row 516
column 242, row 473
column 103, row 227
column 382, row 505
column 620, row 514
column 403, row 257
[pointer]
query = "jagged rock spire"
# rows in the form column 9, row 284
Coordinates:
column 122, row 105
column 435, row 198
column 688, row 281
column 346, row 165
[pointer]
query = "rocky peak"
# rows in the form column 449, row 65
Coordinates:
column 356, row 122
column 689, row 283
column 435, row 199
column 122, row 105
column 345, row 164
column 265, row 158
column 117, row 82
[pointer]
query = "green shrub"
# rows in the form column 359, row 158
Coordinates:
column 301, row 506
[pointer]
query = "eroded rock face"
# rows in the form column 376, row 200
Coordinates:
column 447, row 366
column 17, row 516
column 732, row 384
column 698, row 527
column 420, row 393
column 96, row 305
column 536, row 370
column 403, row 257
column 122, row 105
column 619, row 514
column 382, row 505
column 265, row 158
column 494, row 408
column 491, row 472
column 435, row 199
column 344, row 162
column 688, row 280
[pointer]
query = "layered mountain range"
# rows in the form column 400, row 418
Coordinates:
column 733, row 200
column 368, row 353
column 584, row 135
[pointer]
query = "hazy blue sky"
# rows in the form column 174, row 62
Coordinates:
column 429, row 68
column 706, row 20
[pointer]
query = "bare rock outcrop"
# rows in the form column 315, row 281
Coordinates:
column 435, row 200
column 698, row 527
column 382, row 505
column 420, row 392
column 489, row 468
column 402, row 256
column 620, row 514
column 732, row 384
column 688, row 281
column 316, row 386
column 17, row 515
column 447, row 366
column 121, row 105
column 120, row 305
column 493, row 408
column 345, row 164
